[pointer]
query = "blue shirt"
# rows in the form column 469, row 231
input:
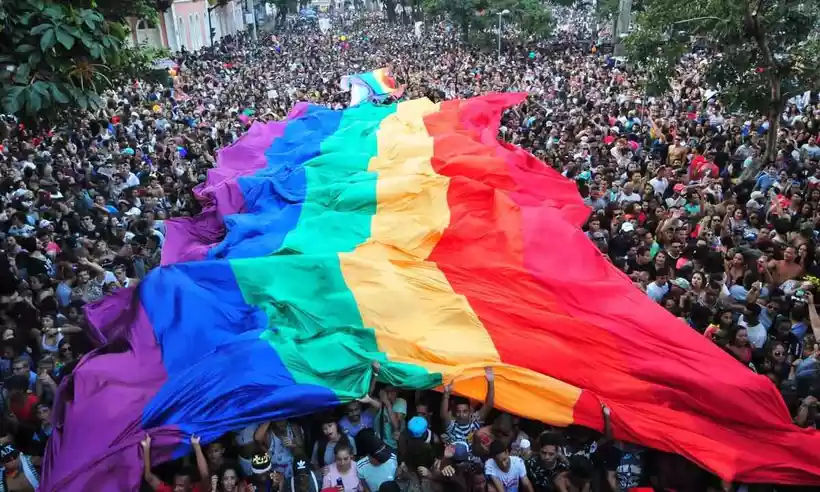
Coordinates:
column 351, row 429
column 799, row 329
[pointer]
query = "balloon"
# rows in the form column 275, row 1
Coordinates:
column 532, row 55
column 343, row 38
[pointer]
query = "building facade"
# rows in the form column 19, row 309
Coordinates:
column 188, row 23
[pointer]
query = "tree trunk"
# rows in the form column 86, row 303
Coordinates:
column 390, row 5
column 776, row 106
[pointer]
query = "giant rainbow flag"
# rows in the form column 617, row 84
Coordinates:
column 406, row 234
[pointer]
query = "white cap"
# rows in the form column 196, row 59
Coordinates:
column 524, row 444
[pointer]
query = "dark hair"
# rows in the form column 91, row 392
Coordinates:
column 390, row 486
column 497, row 447
column 343, row 446
column 580, row 468
column 321, row 446
column 460, row 400
column 550, row 439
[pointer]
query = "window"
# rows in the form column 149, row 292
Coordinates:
column 191, row 31
column 197, row 32
column 181, row 32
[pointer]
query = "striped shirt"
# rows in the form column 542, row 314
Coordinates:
column 463, row 432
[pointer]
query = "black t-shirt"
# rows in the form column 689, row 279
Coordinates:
column 633, row 266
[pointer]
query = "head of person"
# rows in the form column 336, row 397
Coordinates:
column 423, row 410
column 390, row 486
column 330, row 429
column 228, row 478
column 215, row 451
column 549, row 448
column 501, row 454
column 184, row 480
column 581, row 471
column 344, row 457
column 21, row 367
column 354, row 411
column 303, row 477
column 462, row 411
column 261, row 465
column 9, row 457
column 380, row 453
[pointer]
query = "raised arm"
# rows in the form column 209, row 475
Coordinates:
column 147, row 474
column 489, row 400
column 201, row 462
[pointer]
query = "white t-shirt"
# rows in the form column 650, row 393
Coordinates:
column 511, row 478
column 757, row 333
column 659, row 185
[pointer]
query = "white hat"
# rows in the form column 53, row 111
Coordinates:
column 627, row 227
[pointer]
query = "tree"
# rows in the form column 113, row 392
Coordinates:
column 119, row 10
column 533, row 17
column 765, row 51
column 54, row 56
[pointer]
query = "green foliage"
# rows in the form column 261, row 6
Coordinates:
column 119, row 10
column 766, row 51
column 757, row 49
column 138, row 63
column 52, row 55
column 479, row 17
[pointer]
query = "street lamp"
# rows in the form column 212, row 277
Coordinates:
column 500, row 15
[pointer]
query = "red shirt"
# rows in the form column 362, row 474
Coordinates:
column 25, row 411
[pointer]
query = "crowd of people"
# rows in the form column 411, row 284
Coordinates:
column 83, row 206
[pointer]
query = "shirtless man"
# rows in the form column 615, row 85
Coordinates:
column 20, row 472
column 787, row 268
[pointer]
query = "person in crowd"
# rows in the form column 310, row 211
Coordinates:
column 681, row 195
column 342, row 475
column 507, row 473
column 378, row 466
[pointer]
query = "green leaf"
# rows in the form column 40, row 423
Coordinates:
column 48, row 40
column 82, row 100
column 13, row 99
column 41, row 88
column 41, row 29
column 74, row 31
column 34, row 101
column 54, row 11
column 59, row 96
column 65, row 39
column 23, row 72
column 34, row 58
column 95, row 101
column 25, row 19
column 25, row 48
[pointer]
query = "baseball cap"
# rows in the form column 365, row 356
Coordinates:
column 382, row 453
column 7, row 453
column 417, row 426
column 461, row 452
column 260, row 463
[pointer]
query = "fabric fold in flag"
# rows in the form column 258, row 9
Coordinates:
column 409, row 235
column 370, row 86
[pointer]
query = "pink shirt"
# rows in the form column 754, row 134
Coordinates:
column 350, row 479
